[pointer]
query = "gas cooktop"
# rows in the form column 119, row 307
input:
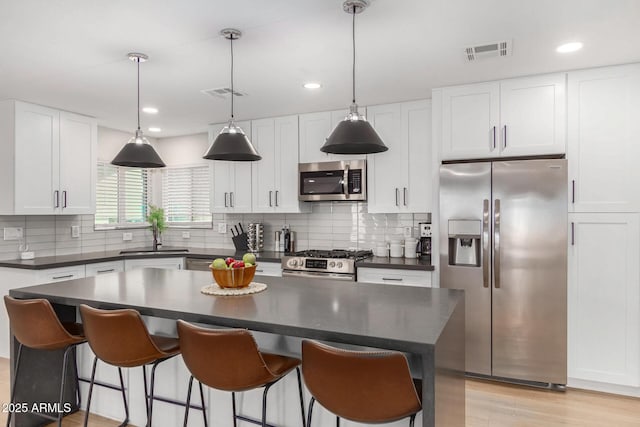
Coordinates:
column 334, row 264
column 334, row 253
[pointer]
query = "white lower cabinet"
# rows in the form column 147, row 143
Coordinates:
column 268, row 269
column 389, row 276
column 604, row 299
column 168, row 263
column 60, row 274
column 104, row 268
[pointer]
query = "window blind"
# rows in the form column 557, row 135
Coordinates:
column 122, row 196
column 185, row 196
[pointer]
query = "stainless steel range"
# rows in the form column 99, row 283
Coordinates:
column 334, row 264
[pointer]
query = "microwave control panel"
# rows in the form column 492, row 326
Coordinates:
column 355, row 181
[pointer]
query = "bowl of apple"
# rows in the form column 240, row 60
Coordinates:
column 232, row 273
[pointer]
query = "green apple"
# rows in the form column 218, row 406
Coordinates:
column 219, row 263
column 249, row 258
column 248, row 264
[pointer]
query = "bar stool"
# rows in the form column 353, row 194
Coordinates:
column 362, row 386
column 229, row 360
column 35, row 325
column 120, row 338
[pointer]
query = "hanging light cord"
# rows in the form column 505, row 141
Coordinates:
column 231, row 41
column 138, row 62
column 353, row 39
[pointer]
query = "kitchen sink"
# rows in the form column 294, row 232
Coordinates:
column 152, row 252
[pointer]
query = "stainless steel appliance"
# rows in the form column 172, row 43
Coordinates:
column 503, row 240
column 331, row 181
column 335, row 264
column 424, row 241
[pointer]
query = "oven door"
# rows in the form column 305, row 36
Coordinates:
column 317, row 275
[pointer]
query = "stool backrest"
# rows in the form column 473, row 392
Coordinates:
column 35, row 324
column 118, row 337
column 225, row 359
column 362, row 386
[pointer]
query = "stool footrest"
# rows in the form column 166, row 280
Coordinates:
column 252, row 420
column 175, row 402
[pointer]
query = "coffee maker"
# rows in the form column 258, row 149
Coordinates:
column 424, row 244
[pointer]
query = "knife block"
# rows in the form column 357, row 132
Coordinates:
column 241, row 242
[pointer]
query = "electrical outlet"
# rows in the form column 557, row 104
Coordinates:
column 222, row 227
column 75, row 231
column 186, row 235
column 13, row 233
column 127, row 237
column 407, row 231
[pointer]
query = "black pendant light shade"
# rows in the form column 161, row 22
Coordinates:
column 233, row 145
column 138, row 152
column 354, row 135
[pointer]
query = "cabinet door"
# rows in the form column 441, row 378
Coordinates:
column 387, row 171
column 604, row 298
column 100, row 268
column 416, row 128
column 286, row 189
column 168, row 263
column 533, row 115
column 78, row 163
column 264, row 171
column 61, row 274
column 400, row 277
column 314, row 130
column 470, row 118
column 604, row 124
column 37, row 160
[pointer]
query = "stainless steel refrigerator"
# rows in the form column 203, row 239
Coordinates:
column 503, row 240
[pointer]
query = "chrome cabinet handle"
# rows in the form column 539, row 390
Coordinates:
column 405, row 196
column 492, row 140
column 225, row 200
column 485, row 243
column 504, row 136
column 573, row 234
column 393, row 279
column 573, row 191
column 496, row 244
column 397, row 196
column 56, row 196
column 64, row 199
column 270, row 203
column 231, row 199
column 68, row 276
column 111, row 270
column 277, row 197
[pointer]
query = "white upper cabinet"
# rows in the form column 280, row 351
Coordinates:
column 399, row 180
column 517, row 117
column 604, row 298
column 603, row 145
column 231, row 180
column 48, row 161
column 470, row 121
column 275, row 177
column 315, row 128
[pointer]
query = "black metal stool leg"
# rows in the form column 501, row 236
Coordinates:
column 124, row 399
column 204, row 410
column 301, row 397
column 62, row 384
column 311, row 402
column 188, row 403
column 93, row 377
column 264, row 404
column 146, row 390
column 75, row 368
column 337, row 421
column 13, row 386
column 235, row 415
column 412, row 420
column 151, row 388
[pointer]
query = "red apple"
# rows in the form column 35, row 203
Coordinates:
column 237, row 264
column 229, row 261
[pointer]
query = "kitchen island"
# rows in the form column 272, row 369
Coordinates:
column 428, row 324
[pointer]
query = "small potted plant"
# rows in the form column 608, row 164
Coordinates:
column 157, row 223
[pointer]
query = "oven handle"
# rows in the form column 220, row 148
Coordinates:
column 345, row 181
column 313, row 274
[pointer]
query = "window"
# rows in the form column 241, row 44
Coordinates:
column 185, row 196
column 122, row 196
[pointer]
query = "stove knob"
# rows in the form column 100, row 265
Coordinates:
column 339, row 265
column 332, row 264
column 293, row 262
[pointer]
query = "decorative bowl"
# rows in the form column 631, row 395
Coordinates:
column 234, row 277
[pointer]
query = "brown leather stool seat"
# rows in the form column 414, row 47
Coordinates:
column 120, row 338
column 35, row 325
column 362, row 386
column 229, row 360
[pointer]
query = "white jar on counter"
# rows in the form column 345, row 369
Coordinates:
column 395, row 249
column 410, row 248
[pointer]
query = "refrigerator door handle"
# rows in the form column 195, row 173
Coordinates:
column 485, row 243
column 496, row 244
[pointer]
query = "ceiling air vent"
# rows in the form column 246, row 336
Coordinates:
column 222, row 92
column 488, row 50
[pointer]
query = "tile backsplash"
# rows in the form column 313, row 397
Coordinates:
column 330, row 225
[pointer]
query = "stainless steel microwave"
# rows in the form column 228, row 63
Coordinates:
column 333, row 181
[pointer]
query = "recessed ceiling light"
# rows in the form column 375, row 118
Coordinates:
column 569, row 47
column 312, row 85
column 150, row 110
column 155, row 129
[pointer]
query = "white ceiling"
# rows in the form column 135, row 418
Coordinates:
column 71, row 54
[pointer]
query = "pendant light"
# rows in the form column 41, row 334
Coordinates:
column 231, row 143
column 138, row 152
column 354, row 135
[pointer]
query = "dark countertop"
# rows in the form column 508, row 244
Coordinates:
column 42, row 263
column 396, row 263
column 411, row 318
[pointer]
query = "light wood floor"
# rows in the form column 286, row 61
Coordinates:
column 488, row 405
